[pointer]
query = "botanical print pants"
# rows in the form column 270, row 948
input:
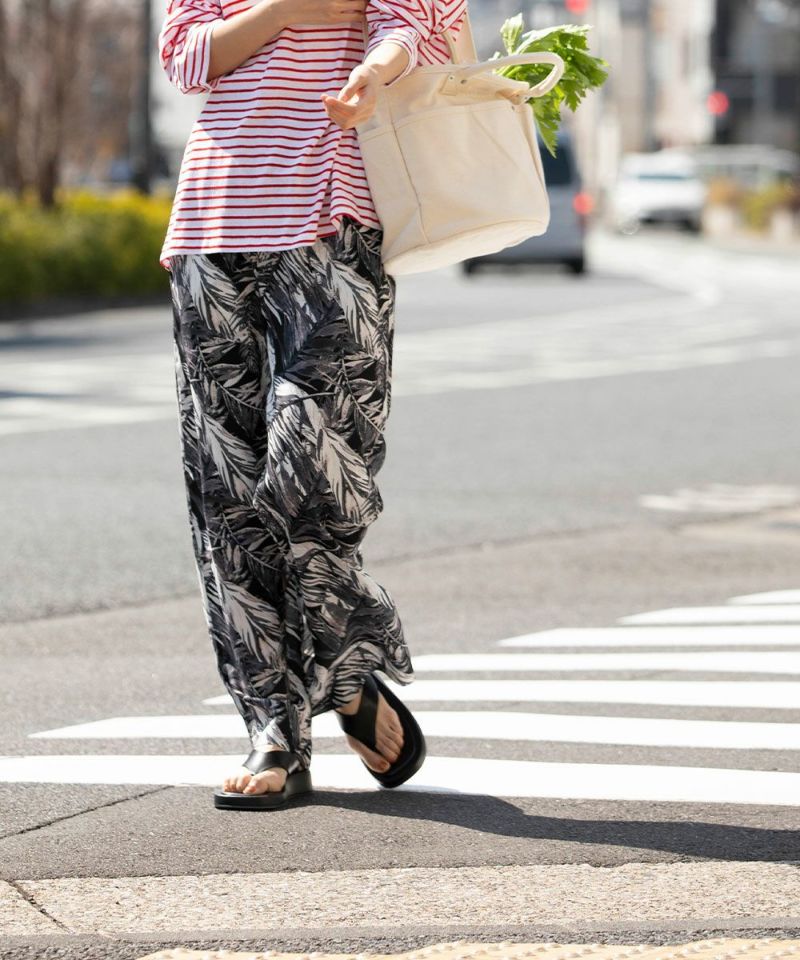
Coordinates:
column 283, row 365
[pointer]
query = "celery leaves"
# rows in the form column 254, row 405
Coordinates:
column 583, row 71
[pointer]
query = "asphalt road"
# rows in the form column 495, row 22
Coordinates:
column 563, row 453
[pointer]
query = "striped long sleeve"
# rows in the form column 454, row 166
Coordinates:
column 184, row 44
column 411, row 23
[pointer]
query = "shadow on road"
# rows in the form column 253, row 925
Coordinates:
column 489, row 815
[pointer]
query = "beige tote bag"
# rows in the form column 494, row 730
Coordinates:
column 452, row 159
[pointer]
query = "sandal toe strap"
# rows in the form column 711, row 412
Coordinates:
column 361, row 724
column 260, row 760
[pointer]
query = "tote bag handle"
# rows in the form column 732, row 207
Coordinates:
column 541, row 88
column 467, row 70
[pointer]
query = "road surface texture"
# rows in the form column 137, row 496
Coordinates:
column 592, row 531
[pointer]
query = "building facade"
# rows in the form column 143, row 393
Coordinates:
column 755, row 56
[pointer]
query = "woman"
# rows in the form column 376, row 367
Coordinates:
column 283, row 325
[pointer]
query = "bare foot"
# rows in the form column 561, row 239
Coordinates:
column 252, row 783
column 388, row 735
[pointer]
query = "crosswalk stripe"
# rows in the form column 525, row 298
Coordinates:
column 778, row 694
column 719, row 661
column 766, row 613
column 488, row 725
column 689, row 636
column 723, row 498
column 512, row 352
column 758, row 619
column 497, row 778
column 774, row 596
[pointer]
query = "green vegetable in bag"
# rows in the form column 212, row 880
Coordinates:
column 582, row 73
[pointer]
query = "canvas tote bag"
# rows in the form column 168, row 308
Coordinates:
column 452, row 160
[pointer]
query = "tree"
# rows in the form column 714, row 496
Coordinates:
column 67, row 71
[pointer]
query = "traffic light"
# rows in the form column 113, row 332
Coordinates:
column 717, row 103
column 576, row 7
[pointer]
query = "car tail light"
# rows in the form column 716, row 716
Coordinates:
column 583, row 204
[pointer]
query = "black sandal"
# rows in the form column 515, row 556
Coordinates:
column 361, row 725
column 298, row 781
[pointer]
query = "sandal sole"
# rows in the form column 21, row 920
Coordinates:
column 297, row 784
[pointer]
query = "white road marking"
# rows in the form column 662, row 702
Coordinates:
column 519, row 778
column 88, row 391
column 716, row 661
column 778, row 695
column 649, row 336
column 469, row 724
column 705, row 272
column 723, row 498
column 498, row 778
column 681, row 329
column 767, row 613
column 774, row 596
column 733, row 636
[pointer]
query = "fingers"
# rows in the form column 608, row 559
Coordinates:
column 348, row 114
column 361, row 81
column 345, row 121
column 350, row 89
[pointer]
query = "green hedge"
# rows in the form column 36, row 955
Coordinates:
column 104, row 246
column 759, row 206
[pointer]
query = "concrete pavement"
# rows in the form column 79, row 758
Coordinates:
column 461, row 950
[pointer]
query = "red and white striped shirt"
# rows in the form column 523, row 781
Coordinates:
column 265, row 168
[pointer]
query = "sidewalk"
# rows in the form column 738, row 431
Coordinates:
column 453, row 902
column 701, row 950
column 754, row 244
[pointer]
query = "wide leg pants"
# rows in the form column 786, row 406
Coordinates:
column 283, row 364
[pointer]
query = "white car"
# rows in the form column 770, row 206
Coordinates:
column 661, row 187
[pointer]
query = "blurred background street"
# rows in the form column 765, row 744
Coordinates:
column 591, row 529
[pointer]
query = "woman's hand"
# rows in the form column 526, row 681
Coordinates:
column 356, row 100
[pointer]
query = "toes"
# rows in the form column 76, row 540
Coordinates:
column 247, row 782
column 386, row 753
column 389, row 747
column 389, row 739
column 265, row 781
column 392, row 724
column 378, row 762
column 256, row 783
column 242, row 781
column 395, row 724
column 392, row 739
column 370, row 757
